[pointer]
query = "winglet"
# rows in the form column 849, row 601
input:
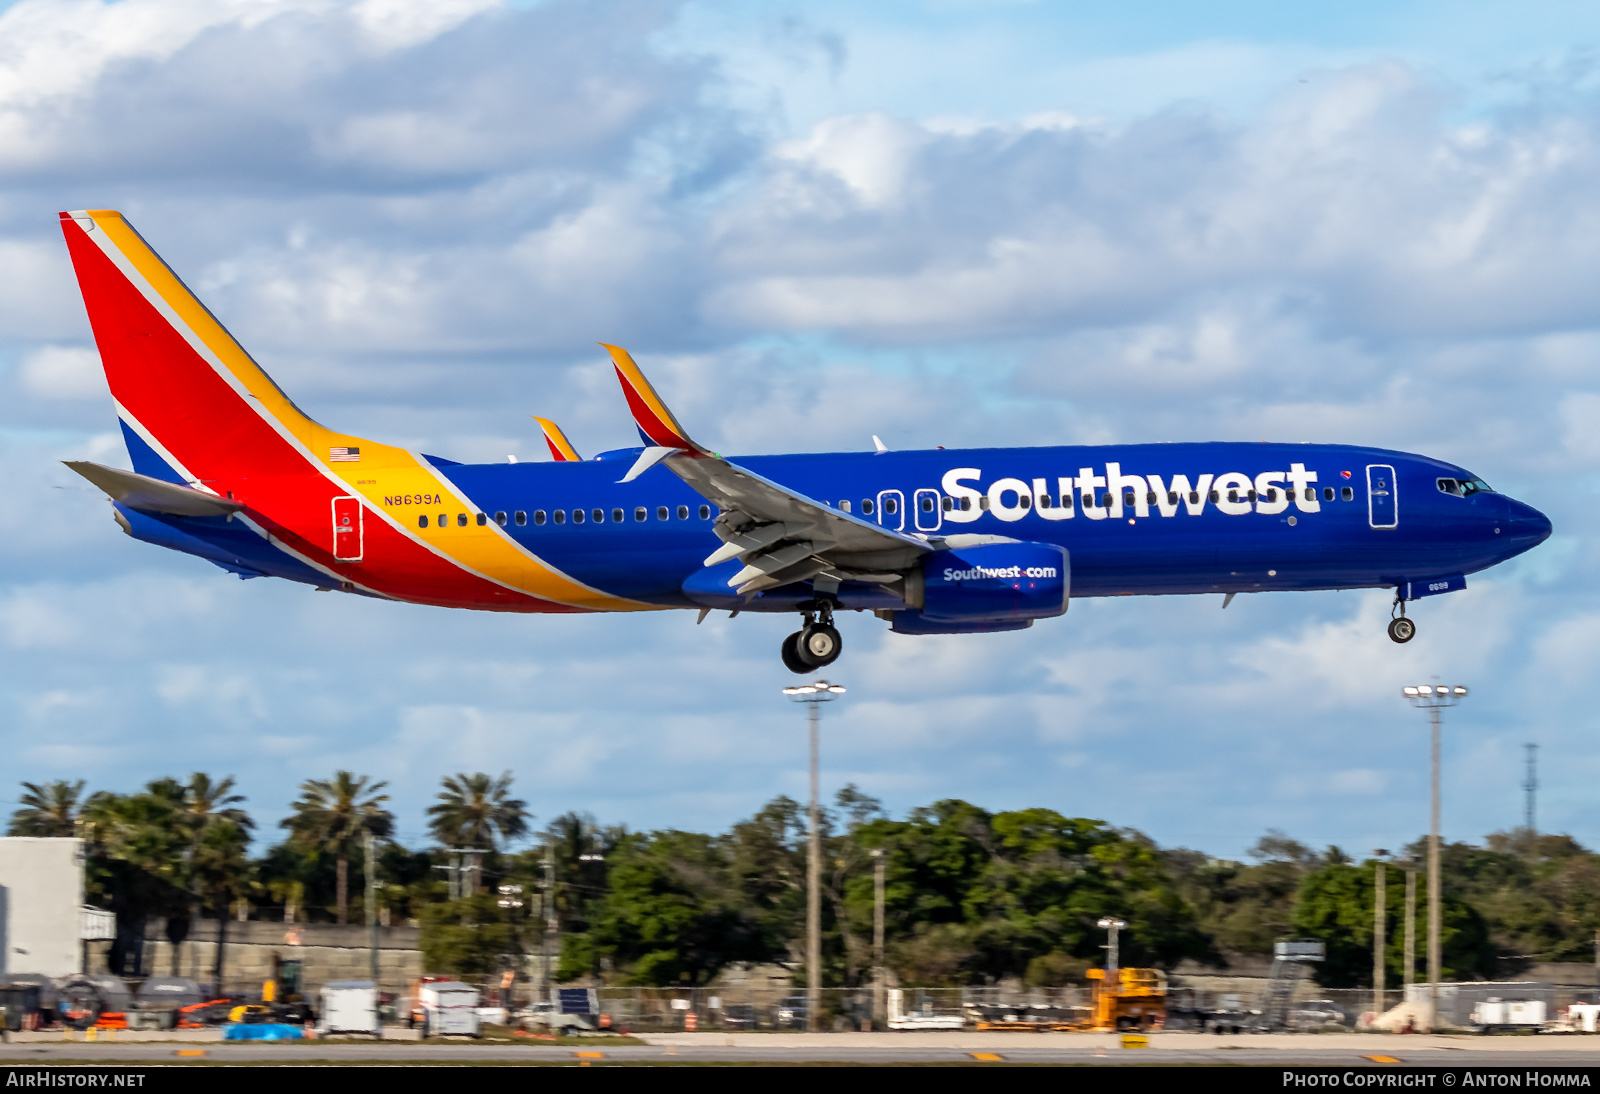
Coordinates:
column 561, row 449
column 656, row 423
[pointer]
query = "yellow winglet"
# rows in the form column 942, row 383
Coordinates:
column 561, row 449
column 656, row 423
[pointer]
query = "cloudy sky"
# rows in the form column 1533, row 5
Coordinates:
column 944, row 222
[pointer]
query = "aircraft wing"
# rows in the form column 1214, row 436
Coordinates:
column 781, row 535
column 561, row 449
column 153, row 495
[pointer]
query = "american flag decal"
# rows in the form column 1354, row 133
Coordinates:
column 344, row 455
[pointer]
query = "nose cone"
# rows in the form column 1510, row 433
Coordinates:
column 1526, row 526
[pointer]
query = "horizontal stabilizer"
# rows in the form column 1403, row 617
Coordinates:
column 153, row 495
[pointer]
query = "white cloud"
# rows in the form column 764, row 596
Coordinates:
column 64, row 372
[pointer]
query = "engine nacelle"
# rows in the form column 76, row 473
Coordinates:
column 988, row 587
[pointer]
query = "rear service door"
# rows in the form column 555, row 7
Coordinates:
column 1383, row 509
column 892, row 509
column 347, row 529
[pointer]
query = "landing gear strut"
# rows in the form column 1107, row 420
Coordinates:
column 1401, row 629
column 817, row 643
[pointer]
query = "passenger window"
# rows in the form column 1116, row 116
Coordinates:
column 1023, row 501
column 661, row 512
column 422, row 521
column 1172, row 497
column 947, row 504
column 683, row 512
column 577, row 516
column 461, row 520
column 1194, row 497
column 483, row 518
column 1327, row 493
column 844, row 506
column 1127, row 498
column 444, row 520
column 1348, row 493
column 598, row 516
column 641, row 513
column 560, row 516
column 1214, row 497
column 866, row 506
column 538, row 517
column 1066, row 501
column 1150, row 498
column 500, row 518
column 891, row 506
column 616, row 516
column 1233, row 495
column 522, row 518
column 1250, row 495
column 705, row 512
column 983, row 503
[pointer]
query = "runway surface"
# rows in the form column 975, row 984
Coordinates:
column 1340, row 1051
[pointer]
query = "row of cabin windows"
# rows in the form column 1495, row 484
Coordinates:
column 559, row 516
column 1130, row 497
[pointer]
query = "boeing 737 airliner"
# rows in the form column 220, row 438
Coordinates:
column 226, row 467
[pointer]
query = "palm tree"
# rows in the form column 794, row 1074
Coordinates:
column 332, row 814
column 207, row 810
column 477, row 811
column 48, row 810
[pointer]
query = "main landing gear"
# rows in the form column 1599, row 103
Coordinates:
column 1401, row 629
column 817, row 643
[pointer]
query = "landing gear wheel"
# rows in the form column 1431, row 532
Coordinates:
column 820, row 645
column 791, row 655
column 1402, row 629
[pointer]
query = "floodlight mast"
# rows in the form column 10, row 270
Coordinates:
column 1111, row 924
column 1434, row 698
column 819, row 691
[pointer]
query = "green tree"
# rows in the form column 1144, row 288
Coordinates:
column 1336, row 904
column 477, row 811
column 333, row 815
column 138, row 863
column 49, row 810
column 466, row 937
column 671, row 916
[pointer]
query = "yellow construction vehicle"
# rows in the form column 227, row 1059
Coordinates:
column 1131, row 999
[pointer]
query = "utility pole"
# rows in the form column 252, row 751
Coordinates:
column 549, row 898
column 813, row 694
column 1530, row 788
column 1408, row 975
column 1380, row 916
column 371, row 857
column 1434, row 698
column 877, row 933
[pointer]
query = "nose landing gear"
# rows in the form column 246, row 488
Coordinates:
column 817, row 643
column 1401, row 629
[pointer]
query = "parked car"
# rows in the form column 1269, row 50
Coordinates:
column 792, row 1012
column 739, row 1016
column 1314, row 1014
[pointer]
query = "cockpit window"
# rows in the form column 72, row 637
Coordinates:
column 1464, row 488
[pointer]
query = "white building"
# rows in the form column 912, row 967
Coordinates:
column 41, row 902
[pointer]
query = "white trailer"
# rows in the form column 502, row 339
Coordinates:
column 1496, row 1013
column 924, row 1014
column 349, row 1006
column 449, row 1009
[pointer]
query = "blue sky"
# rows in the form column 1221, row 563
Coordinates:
column 943, row 223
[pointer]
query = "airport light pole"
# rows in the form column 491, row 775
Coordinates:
column 812, row 695
column 1434, row 698
column 1113, row 925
